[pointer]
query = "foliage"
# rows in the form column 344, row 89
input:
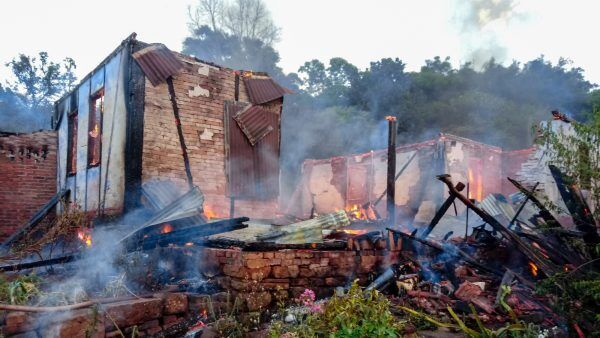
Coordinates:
column 356, row 314
column 575, row 295
column 26, row 102
column 244, row 19
column 39, row 81
column 21, row 290
column 516, row 329
column 229, row 50
column 577, row 152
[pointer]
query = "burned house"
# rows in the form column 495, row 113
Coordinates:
column 348, row 182
column 147, row 113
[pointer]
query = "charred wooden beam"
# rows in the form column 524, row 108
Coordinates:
column 545, row 265
column 39, row 263
column 522, row 206
column 186, row 160
column 391, row 170
column 544, row 213
column 577, row 206
column 452, row 250
column 192, row 234
column 442, row 211
column 36, row 218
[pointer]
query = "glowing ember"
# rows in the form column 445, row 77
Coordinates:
column 356, row 212
column 534, row 269
column 166, row 229
column 209, row 213
column 542, row 251
column 355, row 232
column 85, row 236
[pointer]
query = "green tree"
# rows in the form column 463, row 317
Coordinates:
column 28, row 99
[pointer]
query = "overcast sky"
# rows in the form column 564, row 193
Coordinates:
column 360, row 31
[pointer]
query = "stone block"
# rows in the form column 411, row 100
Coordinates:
column 175, row 303
column 133, row 312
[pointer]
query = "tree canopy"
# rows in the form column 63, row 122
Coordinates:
column 26, row 101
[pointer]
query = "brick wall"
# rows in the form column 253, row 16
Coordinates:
column 27, row 177
column 290, row 272
column 200, row 99
column 512, row 162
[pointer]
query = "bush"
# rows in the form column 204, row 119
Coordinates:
column 358, row 313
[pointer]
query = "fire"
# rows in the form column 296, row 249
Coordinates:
column 475, row 185
column 542, row 251
column 209, row 213
column 355, row 232
column 356, row 212
column 534, row 269
column 85, row 236
column 166, row 229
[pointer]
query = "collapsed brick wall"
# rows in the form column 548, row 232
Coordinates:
column 201, row 92
column 156, row 315
column 261, row 277
column 27, row 177
column 512, row 162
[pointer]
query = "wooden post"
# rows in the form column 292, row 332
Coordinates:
column 231, row 206
column 391, row 170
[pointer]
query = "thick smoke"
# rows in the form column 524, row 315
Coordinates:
column 479, row 22
column 15, row 117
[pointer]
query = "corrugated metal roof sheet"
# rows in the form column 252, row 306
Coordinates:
column 264, row 90
column 254, row 123
column 158, row 63
column 253, row 170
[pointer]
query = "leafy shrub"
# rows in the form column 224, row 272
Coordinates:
column 19, row 291
column 358, row 313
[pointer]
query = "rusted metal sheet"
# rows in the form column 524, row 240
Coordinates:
column 158, row 63
column 254, row 122
column 241, row 155
column 267, row 151
column 253, row 171
column 262, row 90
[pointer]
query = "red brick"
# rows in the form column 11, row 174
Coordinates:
column 26, row 184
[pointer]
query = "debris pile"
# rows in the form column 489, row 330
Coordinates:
column 500, row 266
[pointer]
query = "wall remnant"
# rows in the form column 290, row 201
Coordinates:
column 27, row 176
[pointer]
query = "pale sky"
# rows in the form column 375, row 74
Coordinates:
column 360, row 31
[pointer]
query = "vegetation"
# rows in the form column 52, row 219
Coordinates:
column 577, row 153
column 575, row 296
column 358, row 313
column 21, row 290
column 26, row 101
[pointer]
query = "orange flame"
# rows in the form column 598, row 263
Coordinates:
column 85, row 236
column 209, row 213
column 534, row 269
column 356, row 212
column 355, row 232
column 475, row 185
column 166, row 229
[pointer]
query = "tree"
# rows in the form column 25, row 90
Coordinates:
column 39, row 81
column 243, row 19
column 26, row 102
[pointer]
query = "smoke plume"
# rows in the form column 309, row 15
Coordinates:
column 480, row 23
